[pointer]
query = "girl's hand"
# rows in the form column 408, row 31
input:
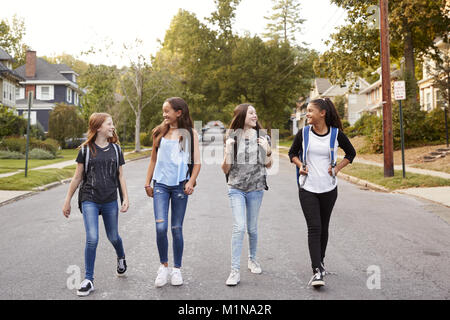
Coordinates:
column 66, row 209
column 149, row 191
column 229, row 146
column 189, row 188
column 336, row 170
column 305, row 171
column 125, row 206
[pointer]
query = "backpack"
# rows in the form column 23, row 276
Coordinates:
column 86, row 165
column 266, row 187
column 305, row 145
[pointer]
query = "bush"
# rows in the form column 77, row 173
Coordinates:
column 40, row 154
column 146, row 139
column 37, row 131
column 65, row 122
column 19, row 144
column 11, row 155
column 10, row 124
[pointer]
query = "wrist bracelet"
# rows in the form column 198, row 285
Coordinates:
column 149, row 186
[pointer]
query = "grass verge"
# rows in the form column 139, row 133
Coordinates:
column 35, row 179
column 375, row 175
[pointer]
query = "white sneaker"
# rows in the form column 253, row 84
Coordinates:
column 177, row 279
column 234, row 278
column 254, row 266
column 163, row 275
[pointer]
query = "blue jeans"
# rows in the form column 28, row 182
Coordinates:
column 110, row 214
column 162, row 195
column 245, row 208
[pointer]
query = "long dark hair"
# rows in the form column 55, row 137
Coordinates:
column 238, row 121
column 183, row 122
column 332, row 118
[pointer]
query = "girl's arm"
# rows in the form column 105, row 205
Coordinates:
column 228, row 157
column 123, row 186
column 77, row 178
column 150, row 170
column 189, row 187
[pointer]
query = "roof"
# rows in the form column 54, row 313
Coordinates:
column 322, row 84
column 44, row 71
column 64, row 68
column 5, row 55
column 5, row 70
column 394, row 75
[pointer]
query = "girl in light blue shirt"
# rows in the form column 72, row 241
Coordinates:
column 174, row 168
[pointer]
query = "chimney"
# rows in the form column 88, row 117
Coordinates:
column 30, row 66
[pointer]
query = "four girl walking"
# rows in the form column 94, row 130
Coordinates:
column 171, row 178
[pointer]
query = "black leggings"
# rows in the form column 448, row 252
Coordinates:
column 317, row 208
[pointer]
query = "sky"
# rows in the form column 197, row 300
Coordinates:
column 60, row 26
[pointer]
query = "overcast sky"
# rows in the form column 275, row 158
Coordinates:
column 57, row 26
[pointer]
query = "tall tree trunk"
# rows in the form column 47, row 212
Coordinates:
column 410, row 69
column 138, row 131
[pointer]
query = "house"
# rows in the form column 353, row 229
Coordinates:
column 373, row 95
column 431, row 97
column 323, row 88
column 9, row 80
column 51, row 84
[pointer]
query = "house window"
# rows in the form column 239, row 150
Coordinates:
column 33, row 119
column 428, row 101
column 74, row 78
column 69, row 95
column 45, row 93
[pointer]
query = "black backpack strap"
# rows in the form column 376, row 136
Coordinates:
column 234, row 156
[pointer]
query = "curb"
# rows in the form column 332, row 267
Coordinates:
column 355, row 180
column 52, row 185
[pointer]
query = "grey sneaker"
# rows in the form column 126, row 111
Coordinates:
column 254, row 266
column 121, row 267
column 234, row 278
column 86, row 287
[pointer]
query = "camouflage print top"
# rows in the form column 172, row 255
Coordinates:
column 247, row 174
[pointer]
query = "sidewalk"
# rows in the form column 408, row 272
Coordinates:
column 439, row 195
column 7, row 196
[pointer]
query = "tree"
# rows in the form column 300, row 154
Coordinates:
column 11, row 39
column 141, row 84
column 65, row 122
column 441, row 80
column 285, row 22
column 355, row 47
column 100, row 83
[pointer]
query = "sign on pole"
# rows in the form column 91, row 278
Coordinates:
column 399, row 90
column 400, row 94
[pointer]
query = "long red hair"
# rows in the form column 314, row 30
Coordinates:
column 95, row 122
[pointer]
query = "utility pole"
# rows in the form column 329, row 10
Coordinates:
column 388, row 140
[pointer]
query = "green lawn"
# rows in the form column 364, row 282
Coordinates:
column 10, row 165
column 375, row 175
column 35, row 178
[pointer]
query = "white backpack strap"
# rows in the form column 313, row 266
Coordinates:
column 86, row 161
column 117, row 149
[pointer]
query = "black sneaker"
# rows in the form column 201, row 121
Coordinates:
column 121, row 266
column 322, row 269
column 86, row 288
column 317, row 279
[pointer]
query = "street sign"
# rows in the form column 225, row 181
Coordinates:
column 399, row 90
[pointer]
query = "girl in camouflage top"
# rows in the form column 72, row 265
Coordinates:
column 247, row 155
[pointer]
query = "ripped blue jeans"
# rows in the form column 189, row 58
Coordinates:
column 162, row 196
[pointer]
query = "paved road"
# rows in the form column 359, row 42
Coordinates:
column 402, row 236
